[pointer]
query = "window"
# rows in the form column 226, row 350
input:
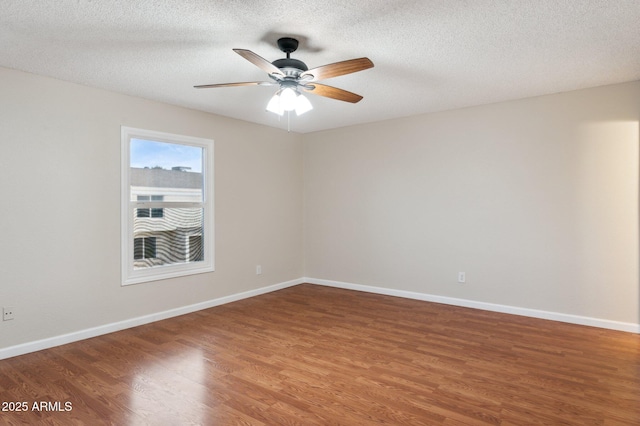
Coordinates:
column 195, row 248
column 157, row 212
column 144, row 248
column 167, row 205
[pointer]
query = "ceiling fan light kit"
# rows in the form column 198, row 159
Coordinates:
column 293, row 76
column 289, row 99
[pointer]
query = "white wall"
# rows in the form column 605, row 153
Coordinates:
column 60, row 204
column 536, row 200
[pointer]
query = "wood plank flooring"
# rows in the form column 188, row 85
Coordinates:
column 313, row 355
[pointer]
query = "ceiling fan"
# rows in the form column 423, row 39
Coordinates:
column 293, row 76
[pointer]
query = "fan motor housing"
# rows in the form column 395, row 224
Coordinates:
column 290, row 63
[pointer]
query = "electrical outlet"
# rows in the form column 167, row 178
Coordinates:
column 258, row 269
column 7, row 313
column 462, row 277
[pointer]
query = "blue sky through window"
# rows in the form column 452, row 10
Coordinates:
column 146, row 153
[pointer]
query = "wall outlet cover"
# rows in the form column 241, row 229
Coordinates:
column 7, row 313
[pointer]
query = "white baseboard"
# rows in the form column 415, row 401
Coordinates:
column 534, row 313
column 51, row 342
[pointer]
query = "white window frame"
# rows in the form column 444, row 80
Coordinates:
column 135, row 276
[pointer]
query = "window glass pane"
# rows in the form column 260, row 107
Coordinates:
column 152, row 212
column 196, row 252
column 150, row 248
column 176, row 238
column 138, row 248
column 172, row 172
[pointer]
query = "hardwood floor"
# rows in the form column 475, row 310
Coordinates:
column 316, row 355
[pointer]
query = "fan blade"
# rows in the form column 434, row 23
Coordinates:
column 337, row 69
column 247, row 83
column 331, row 92
column 259, row 61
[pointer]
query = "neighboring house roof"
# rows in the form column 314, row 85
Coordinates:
column 162, row 178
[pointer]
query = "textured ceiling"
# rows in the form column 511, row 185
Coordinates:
column 429, row 55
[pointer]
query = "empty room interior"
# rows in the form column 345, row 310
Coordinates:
column 441, row 227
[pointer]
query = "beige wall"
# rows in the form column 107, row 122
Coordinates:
column 536, row 200
column 60, row 207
